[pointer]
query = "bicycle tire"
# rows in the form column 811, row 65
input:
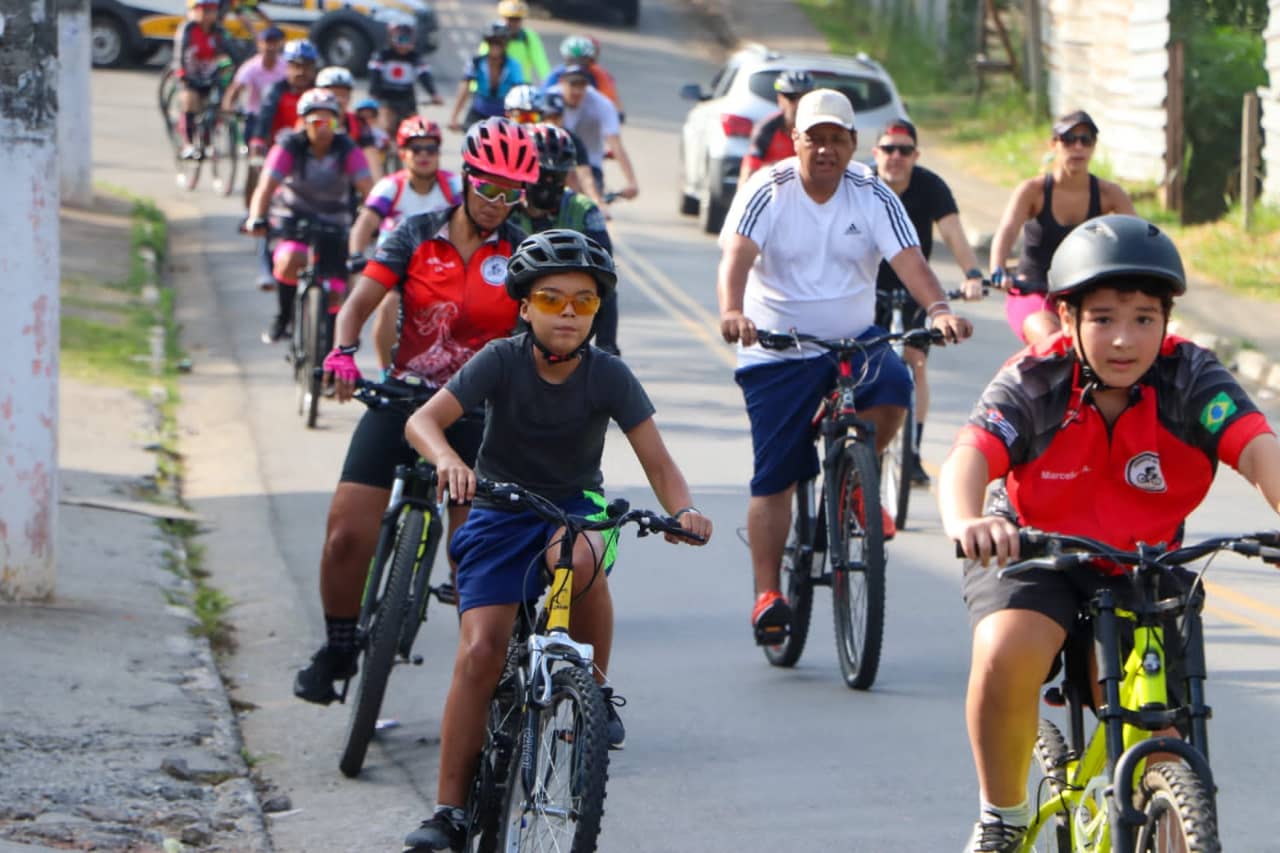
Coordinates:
column 169, row 110
column 225, row 150
column 895, row 469
column 312, row 355
column 858, row 588
column 1176, row 792
column 525, row 825
column 420, row 594
column 797, row 586
column 380, row 652
column 1047, row 780
column 484, row 808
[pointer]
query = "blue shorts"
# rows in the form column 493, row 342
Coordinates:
column 783, row 396
column 500, row 554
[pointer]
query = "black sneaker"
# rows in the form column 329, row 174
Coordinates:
column 278, row 329
column 314, row 683
column 919, row 476
column 995, row 836
column 445, row 830
column 614, row 730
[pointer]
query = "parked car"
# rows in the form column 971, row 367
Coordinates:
column 717, row 130
column 125, row 32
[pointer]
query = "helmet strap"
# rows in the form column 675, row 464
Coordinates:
column 554, row 358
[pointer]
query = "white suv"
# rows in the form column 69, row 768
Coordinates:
column 717, row 130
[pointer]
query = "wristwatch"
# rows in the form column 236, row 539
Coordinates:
column 973, row 273
column 682, row 511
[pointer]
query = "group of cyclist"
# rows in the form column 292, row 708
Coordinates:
column 448, row 265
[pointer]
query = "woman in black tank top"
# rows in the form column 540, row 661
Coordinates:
column 1080, row 196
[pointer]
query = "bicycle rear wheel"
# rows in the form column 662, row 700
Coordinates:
column 895, row 469
column 1180, row 811
column 797, row 582
column 1048, row 780
column 380, row 650
column 170, row 109
column 857, row 588
column 557, row 803
column 224, row 155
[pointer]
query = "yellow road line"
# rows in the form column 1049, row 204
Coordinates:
column 664, row 293
column 1238, row 619
column 1239, row 599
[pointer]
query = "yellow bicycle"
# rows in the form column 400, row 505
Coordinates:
column 1127, row 787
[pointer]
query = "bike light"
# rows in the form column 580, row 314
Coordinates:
column 733, row 125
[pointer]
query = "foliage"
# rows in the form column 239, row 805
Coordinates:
column 1223, row 63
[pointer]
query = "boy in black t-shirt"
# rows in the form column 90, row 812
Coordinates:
column 548, row 396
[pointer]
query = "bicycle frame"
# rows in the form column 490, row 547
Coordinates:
column 1135, row 706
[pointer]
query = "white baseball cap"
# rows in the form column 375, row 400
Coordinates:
column 824, row 106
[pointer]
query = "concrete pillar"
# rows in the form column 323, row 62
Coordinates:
column 75, row 156
column 29, row 275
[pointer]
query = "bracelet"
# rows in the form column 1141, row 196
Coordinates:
column 946, row 308
column 681, row 512
column 973, row 273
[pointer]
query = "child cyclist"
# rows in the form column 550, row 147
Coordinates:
column 1109, row 429
column 548, row 397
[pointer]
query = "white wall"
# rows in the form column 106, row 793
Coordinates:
column 1110, row 59
column 1270, row 100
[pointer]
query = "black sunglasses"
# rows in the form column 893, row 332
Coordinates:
column 1085, row 139
column 904, row 150
column 424, row 148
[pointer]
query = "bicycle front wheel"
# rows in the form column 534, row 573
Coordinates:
column 797, row 583
column 557, row 801
column 1046, row 782
column 384, row 633
column 895, row 469
column 224, row 155
column 857, row 587
column 311, row 355
column 1180, row 812
column 170, row 109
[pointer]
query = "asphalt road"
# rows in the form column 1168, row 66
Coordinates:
column 724, row 752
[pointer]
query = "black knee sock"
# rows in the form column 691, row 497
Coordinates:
column 919, row 435
column 189, row 128
column 341, row 633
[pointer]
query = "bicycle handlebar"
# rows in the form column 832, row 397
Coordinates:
column 618, row 512
column 378, row 395
column 918, row 338
column 1059, row 552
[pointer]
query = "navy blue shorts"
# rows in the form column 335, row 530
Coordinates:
column 783, row 396
column 500, row 554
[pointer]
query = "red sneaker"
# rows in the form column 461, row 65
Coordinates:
column 771, row 618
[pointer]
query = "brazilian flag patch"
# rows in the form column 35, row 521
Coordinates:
column 1215, row 414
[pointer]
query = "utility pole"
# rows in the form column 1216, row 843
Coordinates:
column 75, row 155
column 29, row 276
column 1035, row 59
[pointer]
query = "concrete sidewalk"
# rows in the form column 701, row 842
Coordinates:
column 1243, row 332
column 117, row 730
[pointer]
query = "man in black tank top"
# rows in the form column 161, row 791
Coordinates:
column 1046, row 209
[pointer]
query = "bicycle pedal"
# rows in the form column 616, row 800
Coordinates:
column 772, row 635
column 416, row 660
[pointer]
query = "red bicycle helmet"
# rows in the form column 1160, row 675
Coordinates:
column 417, row 127
column 502, row 148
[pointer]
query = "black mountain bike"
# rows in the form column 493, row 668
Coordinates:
column 1103, row 792
column 312, row 336
column 217, row 136
column 397, row 589
column 843, row 513
column 540, row 784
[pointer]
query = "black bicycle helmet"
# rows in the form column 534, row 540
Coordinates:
column 1115, row 246
column 496, row 30
column 558, row 250
column 793, row 82
column 556, row 151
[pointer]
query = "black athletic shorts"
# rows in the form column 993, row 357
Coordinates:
column 1057, row 594
column 378, row 445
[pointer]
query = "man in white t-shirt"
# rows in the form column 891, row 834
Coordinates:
column 801, row 246
column 420, row 187
column 594, row 119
